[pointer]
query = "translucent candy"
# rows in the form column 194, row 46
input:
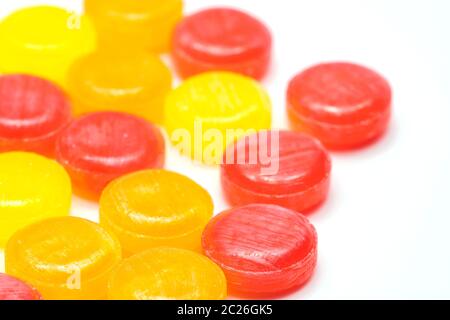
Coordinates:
column 222, row 39
column 167, row 274
column 155, row 208
column 342, row 104
column 134, row 83
column 287, row 168
column 64, row 258
column 132, row 24
column 263, row 249
column 44, row 41
column 14, row 289
column 210, row 110
column 100, row 147
column 33, row 112
column 32, row 188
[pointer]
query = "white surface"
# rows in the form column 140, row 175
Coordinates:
column 385, row 231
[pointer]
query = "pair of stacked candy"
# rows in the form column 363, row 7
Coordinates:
column 154, row 224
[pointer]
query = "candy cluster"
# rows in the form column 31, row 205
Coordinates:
column 87, row 106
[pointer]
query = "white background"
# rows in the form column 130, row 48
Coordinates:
column 385, row 231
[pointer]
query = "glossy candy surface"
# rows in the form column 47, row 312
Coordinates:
column 99, row 147
column 263, row 249
column 136, row 84
column 132, row 24
column 222, row 39
column 155, row 208
column 44, row 41
column 64, row 258
column 169, row 274
column 14, row 289
column 33, row 111
column 32, row 188
column 343, row 104
column 210, row 110
column 290, row 169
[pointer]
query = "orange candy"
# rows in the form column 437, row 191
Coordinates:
column 131, row 24
column 134, row 83
column 64, row 258
column 167, row 273
column 155, row 208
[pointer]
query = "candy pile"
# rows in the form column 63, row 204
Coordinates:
column 83, row 102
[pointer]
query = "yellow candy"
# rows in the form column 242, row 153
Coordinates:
column 32, row 188
column 44, row 41
column 155, row 208
column 211, row 110
column 64, row 258
column 131, row 24
column 134, row 83
column 167, row 273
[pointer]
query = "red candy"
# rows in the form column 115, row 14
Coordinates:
column 286, row 168
column 342, row 104
column 99, row 147
column 14, row 289
column 263, row 249
column 222, row 39
column 33, row 111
